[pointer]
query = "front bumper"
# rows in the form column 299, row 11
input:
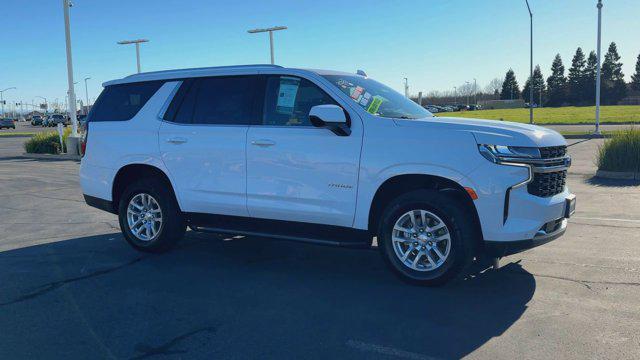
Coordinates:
column 504, row 248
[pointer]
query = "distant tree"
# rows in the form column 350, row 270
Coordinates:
column 539, row 87
column 510, row 89
column 576, row 79
column 556, row 83
column 494, row 87
column 613, row 86
column 635, row 78
column 590, row 73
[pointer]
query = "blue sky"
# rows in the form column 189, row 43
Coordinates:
column 437, row 44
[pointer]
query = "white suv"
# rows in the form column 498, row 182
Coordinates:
column 319, row 156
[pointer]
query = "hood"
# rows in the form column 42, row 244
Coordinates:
column 493, row 132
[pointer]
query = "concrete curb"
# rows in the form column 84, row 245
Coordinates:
column 618, row 175
column 9, row 135
column 51, row 157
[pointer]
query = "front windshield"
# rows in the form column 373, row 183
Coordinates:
column 376, row 98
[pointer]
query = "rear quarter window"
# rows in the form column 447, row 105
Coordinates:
column 123, row 101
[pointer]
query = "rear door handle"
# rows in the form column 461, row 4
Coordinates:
column 177, row 140
column 263, row 142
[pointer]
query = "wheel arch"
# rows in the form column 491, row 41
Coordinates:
column 132, row 172
column 400, row 184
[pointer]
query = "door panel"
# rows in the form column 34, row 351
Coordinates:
column 208, row 166
column 203, row 142
column 298, row 172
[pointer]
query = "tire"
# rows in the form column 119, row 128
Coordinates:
column 160, row 237
column 447, row 221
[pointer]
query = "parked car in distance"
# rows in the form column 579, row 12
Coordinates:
column 56, row 119
column 324, row 157
column 7, row 123
column 36, row 120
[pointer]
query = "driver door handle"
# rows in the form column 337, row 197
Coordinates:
column 263, row 142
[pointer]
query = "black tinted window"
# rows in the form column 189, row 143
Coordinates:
column 122, row 102
column 181, row 108
column 289, row 99
column 223, row 100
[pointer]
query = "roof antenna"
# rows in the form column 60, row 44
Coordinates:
column 361, row 73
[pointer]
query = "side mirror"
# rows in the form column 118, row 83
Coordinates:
column 331, row 117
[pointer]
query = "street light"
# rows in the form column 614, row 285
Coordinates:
column 46, row 104
column 137, row 42
column 86, row 91
column 530, row 65
column 455, row 94
column 270, row 31
column 72, row 96
column 475, row 92
column 598, row 69
column 2, row 99
column 406, row 87
column 468, row 91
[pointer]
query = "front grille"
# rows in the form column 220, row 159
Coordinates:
column 547, row 184
column 551, row 152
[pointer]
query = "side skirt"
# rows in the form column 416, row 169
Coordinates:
column 278, row 229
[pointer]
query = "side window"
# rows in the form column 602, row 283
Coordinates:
column 181, row 108
column 122, row 102
column 289, row 99
column 224, row 100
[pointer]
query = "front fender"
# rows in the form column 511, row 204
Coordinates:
column 371, row 182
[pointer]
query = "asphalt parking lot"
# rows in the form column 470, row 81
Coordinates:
column 72, row 288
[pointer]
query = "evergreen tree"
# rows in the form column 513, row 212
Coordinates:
column 635, row 78
column 510, row 88
column 613, row 86
column 576, row 79
column 556, row 83
column 590, row 73
column 538, row 87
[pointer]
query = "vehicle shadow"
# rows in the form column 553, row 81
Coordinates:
column 598, row 181
column 242, row 297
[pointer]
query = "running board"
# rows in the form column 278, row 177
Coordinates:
column 282, row 230
column 350, row 244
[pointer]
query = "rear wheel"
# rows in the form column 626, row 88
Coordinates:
column 426, row 237
column 149, row 216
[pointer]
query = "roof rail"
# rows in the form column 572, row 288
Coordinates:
column 206, row 68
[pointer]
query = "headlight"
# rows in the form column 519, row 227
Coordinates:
column 499, row 153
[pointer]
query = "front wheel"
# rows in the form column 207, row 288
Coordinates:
column 426, row 237
column 149, row 216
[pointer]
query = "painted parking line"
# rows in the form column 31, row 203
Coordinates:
column 605, row 219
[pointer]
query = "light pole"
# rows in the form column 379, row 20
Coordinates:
column 270, row 31
column 530, row 65
column 2, row 98
column 475, row 92
column 86, row 90
column 468, row 91
column 46, row 104
column 137, row 42
column 455, row 95
column 598, row 69
column 72, row 96
column 406, row 87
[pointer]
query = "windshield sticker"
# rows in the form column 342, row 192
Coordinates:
column 365, row 99
column 375, row 105
column 356, row 92
column 287, row 95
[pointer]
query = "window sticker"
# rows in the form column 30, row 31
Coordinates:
column 365, row 99
column 356, row 92
column 375, row 104
column 287, row 95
